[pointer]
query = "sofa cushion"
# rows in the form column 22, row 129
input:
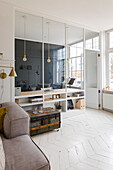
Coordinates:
column 22, row 154
column 2, row 155
column 16, row 121
column 3, row 111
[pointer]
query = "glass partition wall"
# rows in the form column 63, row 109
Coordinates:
column 50, row 55
column 55, row 48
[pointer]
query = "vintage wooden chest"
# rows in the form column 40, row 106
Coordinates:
column 48, row 120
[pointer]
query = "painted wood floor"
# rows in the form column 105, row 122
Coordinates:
column 84, row 142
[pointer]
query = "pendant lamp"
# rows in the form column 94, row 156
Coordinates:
column 25, row 57
column 48, row 59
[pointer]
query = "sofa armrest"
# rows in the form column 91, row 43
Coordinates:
column 16, row 121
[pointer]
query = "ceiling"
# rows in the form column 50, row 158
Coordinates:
column 95, row 14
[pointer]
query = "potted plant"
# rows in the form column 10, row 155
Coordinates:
column 58, row 106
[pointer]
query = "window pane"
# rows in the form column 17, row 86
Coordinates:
column 33, row 26
column 76, row 50
column 89, row 44
column 96, row 43
column 54, row 71
column 29, row 72
column 75, row 55
column 76, row 70
column 75, row 64
column 111, row 39
column 54, row 32
column 111, row 69
column 92, row 40
column 77, row 76
column 80, row 45
column 73, row 51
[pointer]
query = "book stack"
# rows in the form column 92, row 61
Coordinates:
column 36, row 99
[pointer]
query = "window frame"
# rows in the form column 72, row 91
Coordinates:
column 108, row 51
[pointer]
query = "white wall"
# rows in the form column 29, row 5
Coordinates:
column 7, row 48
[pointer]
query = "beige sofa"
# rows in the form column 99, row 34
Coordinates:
column 21, row 153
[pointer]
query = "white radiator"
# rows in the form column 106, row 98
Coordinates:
column 108, row 101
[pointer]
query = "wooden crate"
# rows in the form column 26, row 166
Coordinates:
column 80, row 104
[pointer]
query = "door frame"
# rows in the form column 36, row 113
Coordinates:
column 98, row 74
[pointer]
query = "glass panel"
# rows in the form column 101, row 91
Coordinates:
column 54, row 68
column 31, row 24
column 91, row 69
column 54, row 54
column 29, row 72
column 111, row 70
column 92, row 40
column 75, row 57
column 54, row 32
column 111, row 39
column 76, row 70
column 96, row 43
column 89, row 44
column 76, row 49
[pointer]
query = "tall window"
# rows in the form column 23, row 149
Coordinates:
column 76, row 63
column 109, row 59
column 111, row 69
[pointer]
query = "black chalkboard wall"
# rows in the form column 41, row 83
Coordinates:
column 30, row 72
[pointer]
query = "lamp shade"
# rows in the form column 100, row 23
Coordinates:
column 3, row 75
column 12, row 73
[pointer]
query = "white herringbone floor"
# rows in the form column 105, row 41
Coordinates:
column 84, row 142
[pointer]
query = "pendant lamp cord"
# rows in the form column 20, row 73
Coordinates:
column 24, row 36
column 48, row 39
